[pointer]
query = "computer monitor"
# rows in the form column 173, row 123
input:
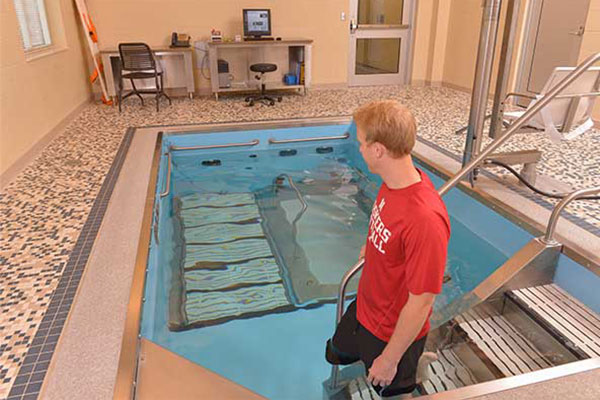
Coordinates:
column 257, row 22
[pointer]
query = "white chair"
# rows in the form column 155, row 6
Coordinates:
column 569, row 114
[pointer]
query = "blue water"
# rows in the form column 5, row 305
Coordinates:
column 280, row 356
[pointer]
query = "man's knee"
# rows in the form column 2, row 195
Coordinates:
column 336, row 357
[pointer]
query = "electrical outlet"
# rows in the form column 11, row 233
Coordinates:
column 343, row 16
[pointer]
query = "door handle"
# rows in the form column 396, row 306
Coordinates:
column 353, row 25
column 578, row 32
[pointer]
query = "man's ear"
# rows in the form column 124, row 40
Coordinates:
column 379, row 149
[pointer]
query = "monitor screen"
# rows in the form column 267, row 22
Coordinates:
column 257, row 22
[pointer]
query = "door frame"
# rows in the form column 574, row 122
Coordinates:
column 405, row 31
column 530, row 27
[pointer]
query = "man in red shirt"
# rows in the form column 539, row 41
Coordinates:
column 405, row 256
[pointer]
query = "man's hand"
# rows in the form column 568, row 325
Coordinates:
column 362, row 252
column 382, row 371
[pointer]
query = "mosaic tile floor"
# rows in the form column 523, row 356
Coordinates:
column 43, row 210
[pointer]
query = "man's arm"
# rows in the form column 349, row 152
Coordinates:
column 411, row 320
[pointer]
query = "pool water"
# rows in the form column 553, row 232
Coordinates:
column 280, row 353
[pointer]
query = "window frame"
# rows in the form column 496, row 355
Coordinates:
column 24, row 25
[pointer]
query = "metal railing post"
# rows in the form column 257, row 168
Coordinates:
column 549, row 236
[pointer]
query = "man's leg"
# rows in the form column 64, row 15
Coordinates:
column 342, row 349
column 406, row 376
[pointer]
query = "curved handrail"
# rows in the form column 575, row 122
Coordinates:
column 342, row 289
column 549, row 236
column 340, row 309
column 300, row 198
column 168, row 183
column 541, row 103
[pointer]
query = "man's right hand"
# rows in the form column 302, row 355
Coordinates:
column 362, row 252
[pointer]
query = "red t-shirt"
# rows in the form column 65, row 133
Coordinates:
column 406, row 251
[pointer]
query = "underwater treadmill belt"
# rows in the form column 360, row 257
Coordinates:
column 227, row 269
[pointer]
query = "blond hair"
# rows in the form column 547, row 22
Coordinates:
column 389, row 123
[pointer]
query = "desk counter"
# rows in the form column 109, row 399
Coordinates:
column 181, row 75
column 290, row 56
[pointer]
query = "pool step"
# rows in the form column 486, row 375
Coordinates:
column 352, row 385
column 227, row 270
column 510, row 352
column 360, row 389
column 563, row 316
column 447, row 373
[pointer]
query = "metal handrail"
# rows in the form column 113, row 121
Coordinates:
column 312, row 139
column 340, row 309
column 168, row 183
column 549, row 236
column 541, row 103
column 215, row 146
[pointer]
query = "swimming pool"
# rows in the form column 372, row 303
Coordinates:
column 276, row 348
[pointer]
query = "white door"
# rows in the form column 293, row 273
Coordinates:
column 554, row 33
column 380, row 41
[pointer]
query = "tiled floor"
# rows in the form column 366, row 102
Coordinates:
column 44, row 209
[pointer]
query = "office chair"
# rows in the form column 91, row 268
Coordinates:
column 137, row 62
column 262, row 69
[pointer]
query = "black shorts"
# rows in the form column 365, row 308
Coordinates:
column 352, row 342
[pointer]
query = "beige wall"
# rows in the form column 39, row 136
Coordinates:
column 425, row 31
column 460, row 47
column 464, row 24
column 153, row 21
column 36, row 95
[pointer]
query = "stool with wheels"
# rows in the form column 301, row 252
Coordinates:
column 262, row 69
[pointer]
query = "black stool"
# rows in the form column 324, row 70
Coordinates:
column 262, row 68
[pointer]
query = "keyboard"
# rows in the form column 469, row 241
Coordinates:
column 258, row 39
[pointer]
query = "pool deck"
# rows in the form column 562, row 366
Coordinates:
column 45, row 207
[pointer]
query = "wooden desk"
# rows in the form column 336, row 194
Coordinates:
column 174, row 75
column 286, row 54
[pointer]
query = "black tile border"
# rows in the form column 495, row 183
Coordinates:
column 582, row 223
column 28, row 382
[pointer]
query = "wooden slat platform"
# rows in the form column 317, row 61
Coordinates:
column 447, row 373
column 566, row 318
column 360, row 389
column 502, row 344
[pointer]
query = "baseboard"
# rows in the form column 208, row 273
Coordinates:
column 459, row 88
column 424, row 82
column 11, row 172
column 326, row 86
column 207, row 91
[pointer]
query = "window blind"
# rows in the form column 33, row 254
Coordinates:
column 33, row 23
